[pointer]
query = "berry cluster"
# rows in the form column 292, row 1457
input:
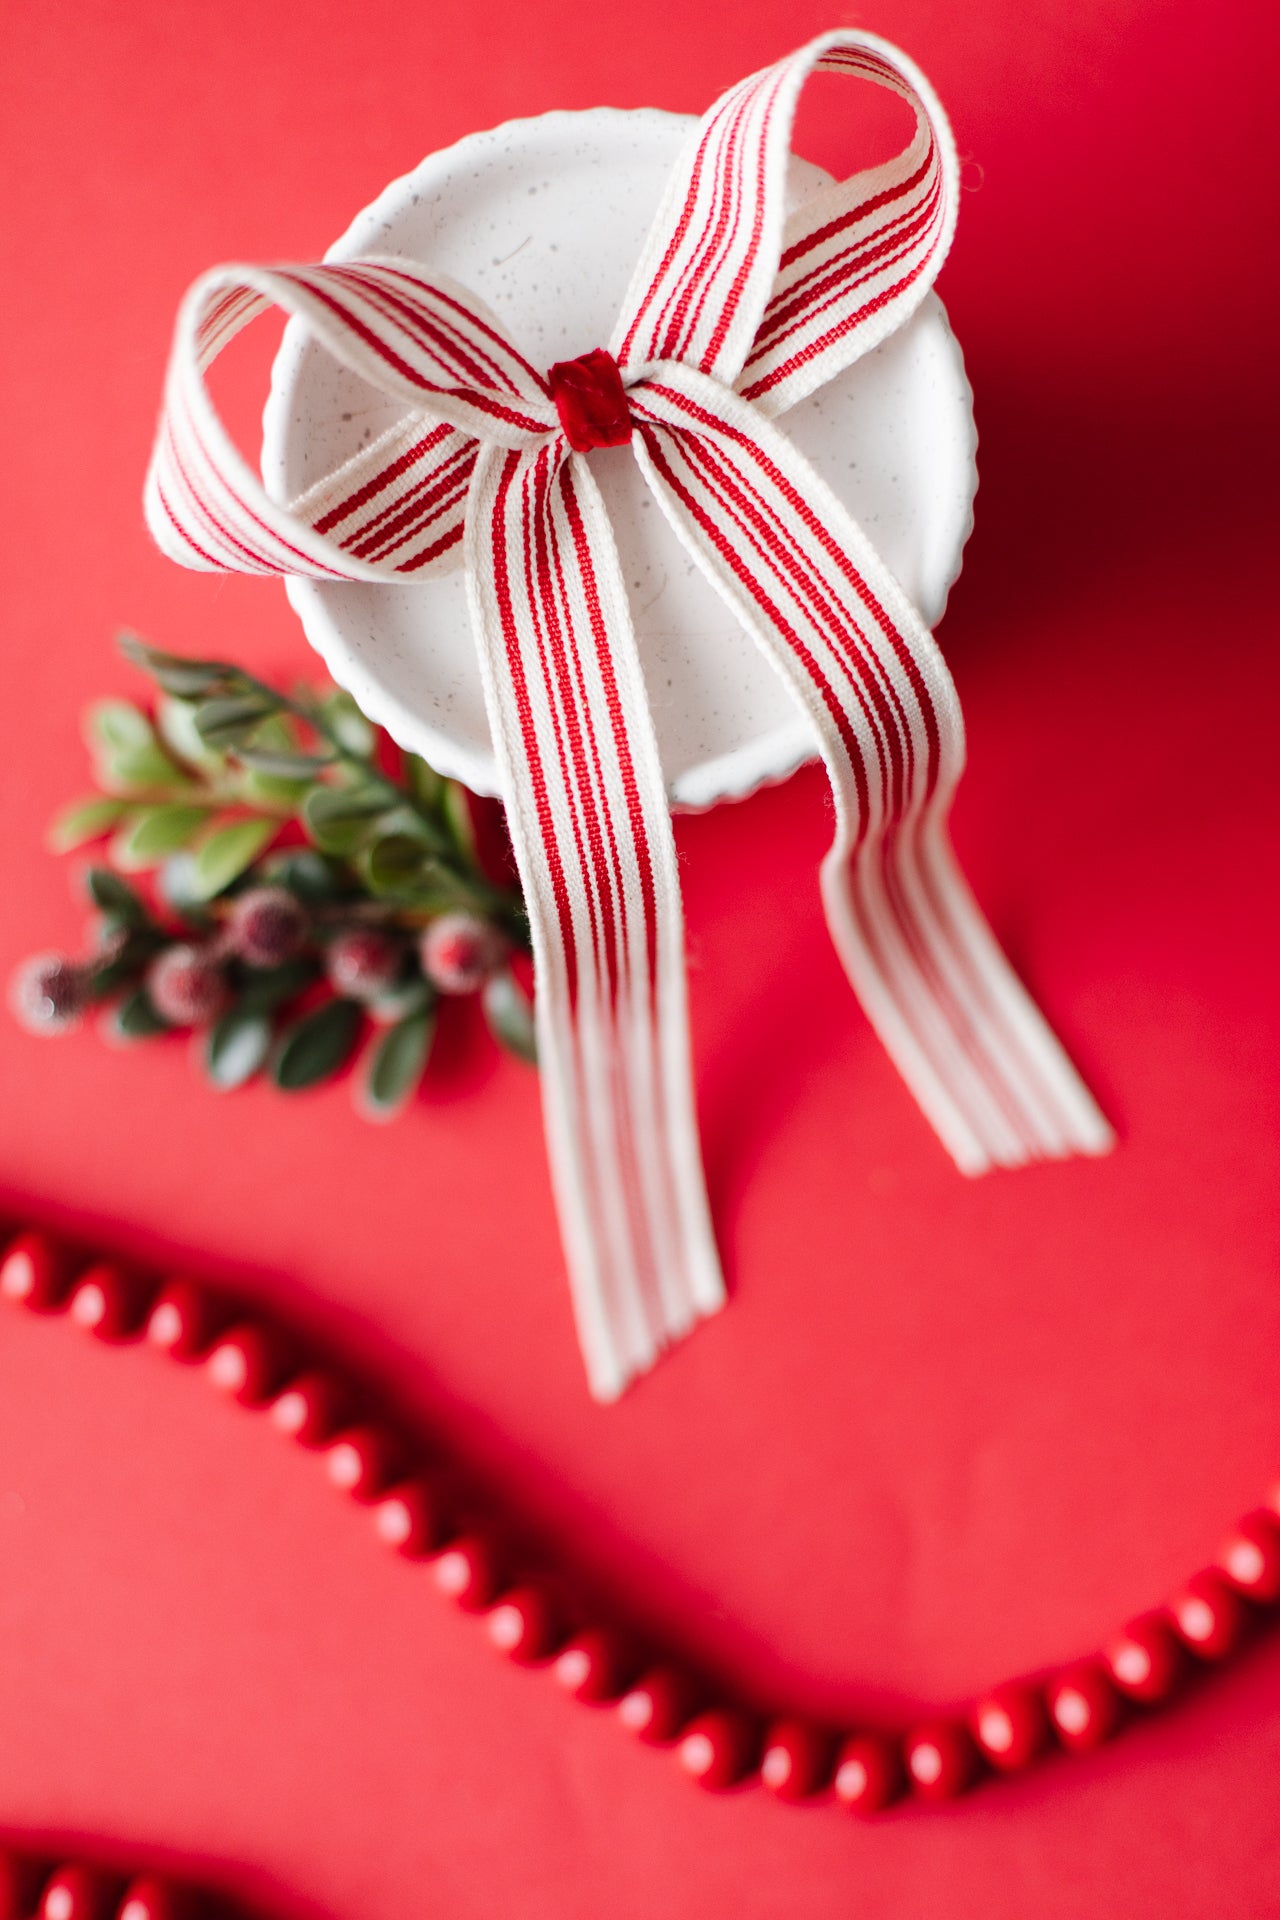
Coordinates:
column 424, row 1514
column 33, row 1888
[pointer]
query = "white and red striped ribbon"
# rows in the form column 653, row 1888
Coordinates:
column 735, row 312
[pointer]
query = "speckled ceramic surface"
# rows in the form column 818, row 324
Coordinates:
column 544, row 219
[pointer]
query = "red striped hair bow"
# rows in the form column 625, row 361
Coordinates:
column 735, row 312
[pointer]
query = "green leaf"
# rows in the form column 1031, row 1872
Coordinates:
column 126, row 751
column 173, row 671
column 397, row 1003
column 344, row 717
column 456, row 808
column 339, row 818
column 269, row 987
column 114, row 896
column 83, row 821
column 229, row 849
column 237, row 1047
column 317, row 1046
column 396, row 864
column 154, row 833
column 510, row 1016
column 136, row 1019
column 422, row 780
column 396, row 1065
column 312, row 876
column 228, row 720
column 176, row 726
column 283, row 763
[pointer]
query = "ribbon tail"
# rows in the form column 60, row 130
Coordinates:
column 806, row 583
column 592, row 837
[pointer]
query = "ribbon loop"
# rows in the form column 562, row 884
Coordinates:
column 734, row 313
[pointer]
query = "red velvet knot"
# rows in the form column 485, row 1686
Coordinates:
column 591, row 401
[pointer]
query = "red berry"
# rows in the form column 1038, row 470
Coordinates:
column 310, row 1410
column 154, row 1899
column 184, row 1320
column 460, row 950
column 1208, row 1614
column 796, row 1761
column 75, row 1893
column 869, row 1773
column 1010, row 1725
column 267, row 926
column 363, row 963
column 1250, row 1556
column 467, row 1571
column 362, row 1462
column 107, row 1302
column 524, row 1625
column 187, row 986
column 48, row 994
column 34, row 1273
column 658, row 1705
column 1145, row 1660
column 941, row 1759
column 247, row 1365
column 412, row 1517
column 718, row 1748
column 1083, row 1706
column 596, row 1664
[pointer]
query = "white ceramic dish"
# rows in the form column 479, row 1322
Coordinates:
column 544, row 219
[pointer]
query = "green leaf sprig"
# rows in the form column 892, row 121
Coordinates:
column 301, row 897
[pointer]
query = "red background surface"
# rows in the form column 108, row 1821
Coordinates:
column 946, row 1431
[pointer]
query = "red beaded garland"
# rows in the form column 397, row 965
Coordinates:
column 524, row 1624
column 941, row 1759
column 411, row 1517
column 107, row 1303
column 1208, row 1614
column 18, row 1886
column 184, row 1321
column 152, row 1899
column 34, row 1273
column 797, row 1759
column 246, row 1364
column 596, row 1664
column 310, row 1410
column 1010, row 1725
column 1083, row 1705
column 467, row 1571
column 363, row 1461
column 869, row 1773
column 717, row 1749
column 719, row 1746
column 75, row 1893
column 1250, row 1556
column 1146, row 1659
column 658, row 1705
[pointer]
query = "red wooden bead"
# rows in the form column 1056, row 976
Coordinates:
column 107, row 1303
column 941, row 1759
column 34, row 1273
column 524, row 1624
column 596, row 1665
column 1146, row 1659
column 1010, row 1725
column 718, row 1748
column 1083, row 1705
column 19, row 1886
column 869, row 1773
column 1208, row 1614
column 658, row 1705
column 310, row 1410
column 412, row 1517
column 1250, row 1556
column 362, row 1462
column 468, row 1572
column 246, row 1364
column 796, row 1761
column 75, row 1893
column 184, row 1321
column 154, row 1899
